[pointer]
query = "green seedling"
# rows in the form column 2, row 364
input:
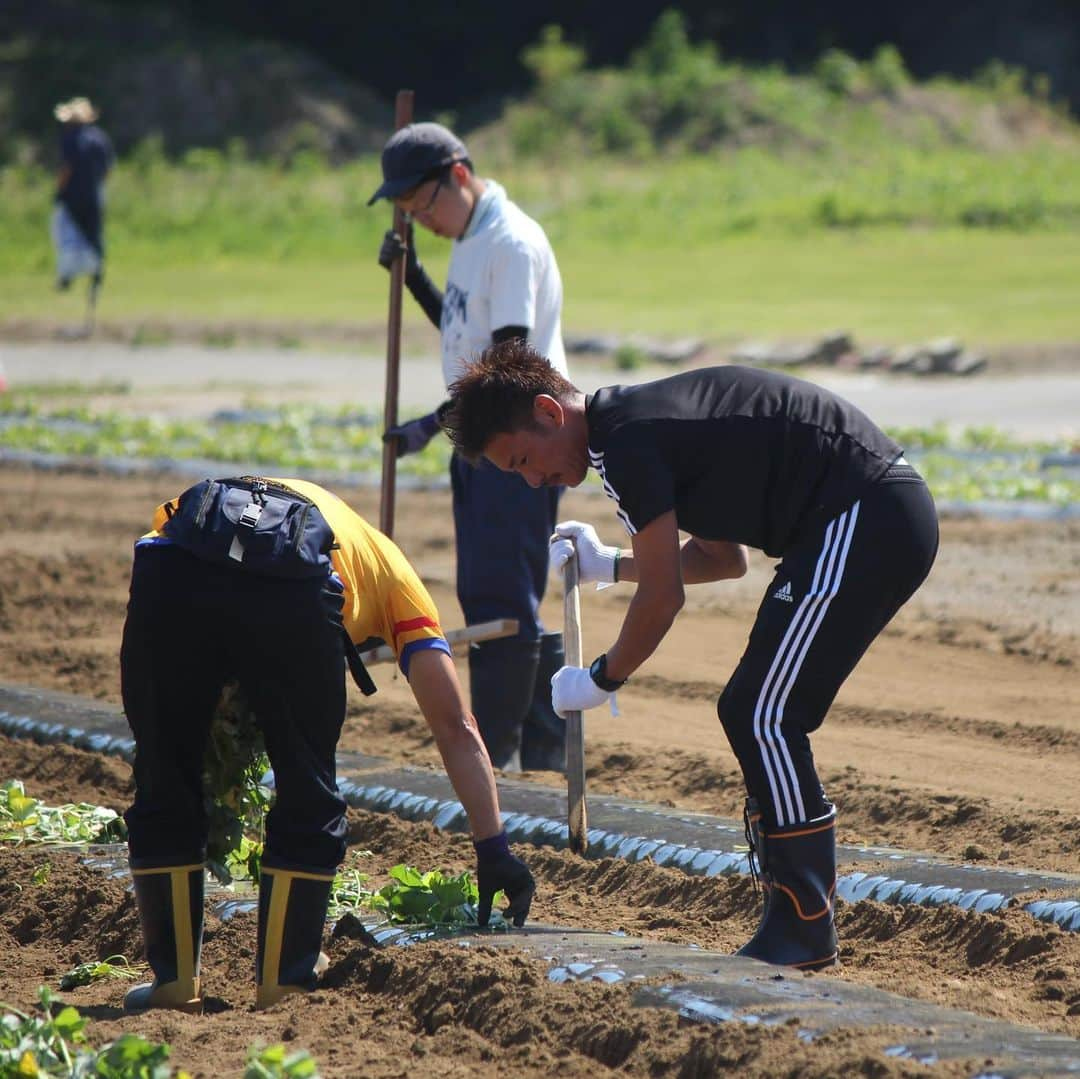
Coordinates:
column 24, row 819
column 273, row 1062
column 43, row 1045
column 40, row 1044
column 432, row 898
column 349, row 892
column 133, row 1057
column 116, row 966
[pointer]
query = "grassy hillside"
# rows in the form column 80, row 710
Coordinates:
column 682, row 195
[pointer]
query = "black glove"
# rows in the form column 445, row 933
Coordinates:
column 498, row 869
column 393, row 246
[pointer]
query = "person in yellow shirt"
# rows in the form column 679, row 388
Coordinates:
column 272, row 583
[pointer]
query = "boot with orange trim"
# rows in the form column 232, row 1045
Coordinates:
column 170, row 901
column 797, row 868
column 292, row 915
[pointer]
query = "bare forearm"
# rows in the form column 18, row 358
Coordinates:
column 469, row 770
column 648, row 618
column 438, row 692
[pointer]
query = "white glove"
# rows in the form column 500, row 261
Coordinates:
column 596, row 561
column 573, row 690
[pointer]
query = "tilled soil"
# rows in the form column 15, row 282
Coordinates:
column 480, row 1010
column 959, row 735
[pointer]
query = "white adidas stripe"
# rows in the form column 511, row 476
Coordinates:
column 597, row 461
column 769, row 709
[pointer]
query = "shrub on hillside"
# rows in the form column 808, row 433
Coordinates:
column 886, row 70
column 838, row 72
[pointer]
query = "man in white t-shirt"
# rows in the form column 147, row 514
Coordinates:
column 503, row 283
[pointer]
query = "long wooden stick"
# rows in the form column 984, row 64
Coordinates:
column 577, row 816
column 479, row 631
column 403, row 113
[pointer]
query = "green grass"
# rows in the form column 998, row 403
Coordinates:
column 892, row 243
column 890, row 285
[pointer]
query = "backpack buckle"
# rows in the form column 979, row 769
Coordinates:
column 250, row 517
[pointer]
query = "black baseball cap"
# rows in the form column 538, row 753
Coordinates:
column 413, row 153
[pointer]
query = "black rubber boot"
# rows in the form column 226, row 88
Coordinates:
column 292, row 916
column 798, row 871
column 543, row 737
column 502, row 674
column 170, row 901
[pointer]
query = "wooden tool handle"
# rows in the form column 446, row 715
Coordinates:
column 403, row 114
column 479, row 631
column 577, row 817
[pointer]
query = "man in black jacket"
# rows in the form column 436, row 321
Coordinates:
column 737, row 458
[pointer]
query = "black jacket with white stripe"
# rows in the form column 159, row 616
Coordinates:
column 739, row 454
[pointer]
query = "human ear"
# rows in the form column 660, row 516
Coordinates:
column 547, row 410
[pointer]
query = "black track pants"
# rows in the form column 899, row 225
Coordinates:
column 832, row 594
column 191, row 626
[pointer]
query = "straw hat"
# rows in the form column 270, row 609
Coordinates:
column 76, row 111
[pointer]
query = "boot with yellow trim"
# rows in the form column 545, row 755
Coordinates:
column 292, row 916
column 797, row 868
column 170, row 902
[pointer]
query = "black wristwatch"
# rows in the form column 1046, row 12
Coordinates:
column 598, row 673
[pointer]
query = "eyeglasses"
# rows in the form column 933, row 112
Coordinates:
column 421, row 211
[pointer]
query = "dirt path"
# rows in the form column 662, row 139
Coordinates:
column 1030, row 393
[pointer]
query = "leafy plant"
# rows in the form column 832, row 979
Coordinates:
column 838, row 72
column 24, row 819
column 430, row 898
column 236, row 798
column 887, row 71
column 272, row 1062
column 552, row 58
column 350, row 892
column 116, row 966
column 44, row 1044
column 133, row 1057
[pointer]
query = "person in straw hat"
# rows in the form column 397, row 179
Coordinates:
column 79, row 213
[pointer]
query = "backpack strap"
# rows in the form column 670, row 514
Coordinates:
column 356, row 666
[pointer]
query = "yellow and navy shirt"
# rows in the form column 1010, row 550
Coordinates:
column 384, row 596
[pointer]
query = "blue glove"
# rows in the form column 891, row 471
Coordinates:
column 499, row 870
column 414, row 435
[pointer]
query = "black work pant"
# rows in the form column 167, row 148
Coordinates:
column 502, row 527
column 832, row 594
column 191, row 627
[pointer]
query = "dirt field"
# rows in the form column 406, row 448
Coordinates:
column 959, row 735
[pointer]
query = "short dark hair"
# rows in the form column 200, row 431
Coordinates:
column 495, row 396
